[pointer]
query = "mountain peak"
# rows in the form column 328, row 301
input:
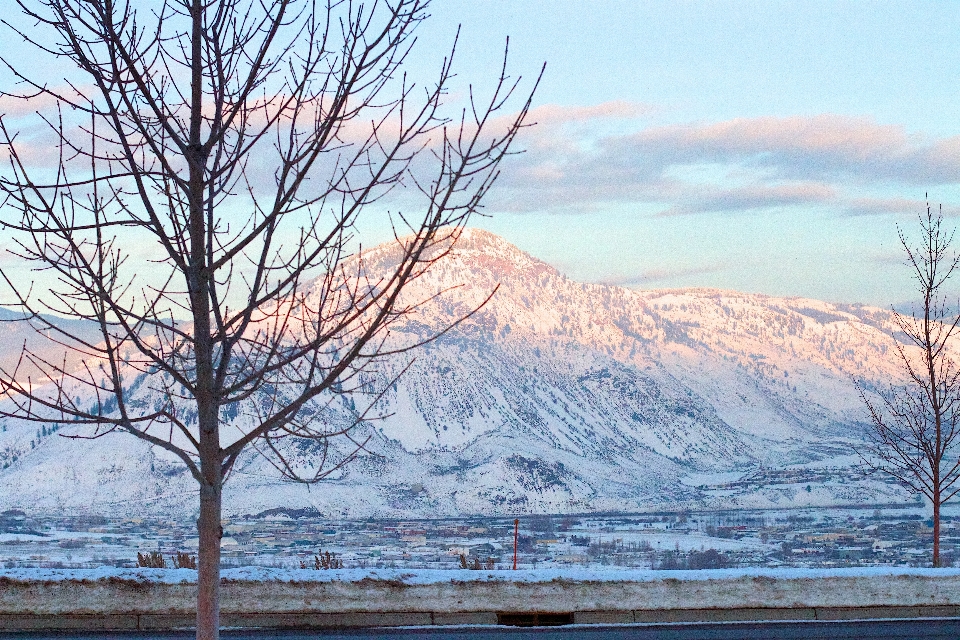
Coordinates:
column 483, row 250
column 552, row 396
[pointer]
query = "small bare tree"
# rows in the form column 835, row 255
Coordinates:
column 915, row 435
column 212, row 159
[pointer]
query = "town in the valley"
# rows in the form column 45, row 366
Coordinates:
column 887, row 535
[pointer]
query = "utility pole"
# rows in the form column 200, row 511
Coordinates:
column 516, row 537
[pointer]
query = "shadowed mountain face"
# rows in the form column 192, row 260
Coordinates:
column 556, row 396
column 15, row 334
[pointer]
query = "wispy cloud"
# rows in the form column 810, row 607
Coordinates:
column 584, row 158
column 758, row 163
column 879, row 206
column 552, row 114
column 664, row 276
column 14, row 106
column 699, row 199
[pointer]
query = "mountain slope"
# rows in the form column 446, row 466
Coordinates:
column 555, row 396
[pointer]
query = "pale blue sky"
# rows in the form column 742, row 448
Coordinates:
column 768, row 147
column 764, row 146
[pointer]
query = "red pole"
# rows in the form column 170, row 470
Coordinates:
column 516, row 535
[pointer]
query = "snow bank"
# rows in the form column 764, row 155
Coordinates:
column 277, row 591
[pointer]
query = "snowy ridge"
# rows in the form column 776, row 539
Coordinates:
column 556, row 396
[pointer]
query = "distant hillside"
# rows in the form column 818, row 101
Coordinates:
column 15, row 333
column 557, row 396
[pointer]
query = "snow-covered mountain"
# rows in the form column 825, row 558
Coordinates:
column 557, row 396
column 16, row 334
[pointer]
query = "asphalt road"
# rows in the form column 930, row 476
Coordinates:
column 929, row 629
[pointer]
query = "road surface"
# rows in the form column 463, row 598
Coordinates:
column 927, row 629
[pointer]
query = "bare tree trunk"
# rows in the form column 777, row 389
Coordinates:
column 936, row 529
column 210, row 530
column 211, row 501
column 281, row 93
column 208, row 573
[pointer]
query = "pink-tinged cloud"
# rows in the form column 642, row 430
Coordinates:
column 772, row 162
column 751, row 198
column 839, row 136
column 18, row 107
column 36, row 151
column 825, row 147
column 18, row 102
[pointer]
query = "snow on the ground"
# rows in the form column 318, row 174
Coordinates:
column 438, row 576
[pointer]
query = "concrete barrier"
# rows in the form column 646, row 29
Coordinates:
column 271, row 598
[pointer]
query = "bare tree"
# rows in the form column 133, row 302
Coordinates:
column 239, row 141
column 915, row 435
